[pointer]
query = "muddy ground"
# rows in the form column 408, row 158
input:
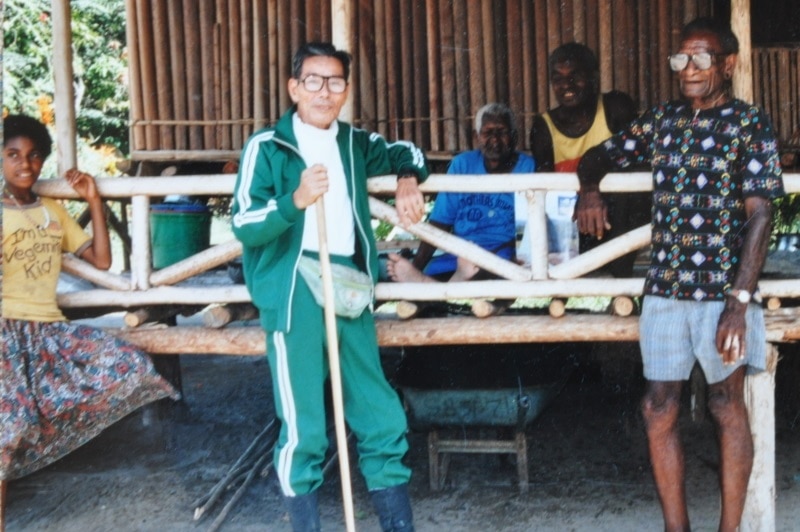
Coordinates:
column 587, row 456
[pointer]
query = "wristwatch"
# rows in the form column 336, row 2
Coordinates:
column 742, row 296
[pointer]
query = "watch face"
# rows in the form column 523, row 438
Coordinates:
column 743, row 296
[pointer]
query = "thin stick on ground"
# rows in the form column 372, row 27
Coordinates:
column 266, row 438
column 258, row 466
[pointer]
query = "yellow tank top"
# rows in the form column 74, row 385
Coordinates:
column 567, row 151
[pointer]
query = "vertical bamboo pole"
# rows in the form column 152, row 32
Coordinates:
column 553, row 25
column 448, row 79
column 66, row 146
column 579, row 21
column 477, row 33
column 593, row 25
column 194, row 79
column 489, row 54
column 643, row 42
column 367, row 58
column 326, row 21
column 381, row 83
column 421, row 133
column 530, row 71
column 249, row 65
column 163, row 84
column 461, row 46
column 134, row 75
column 260, row 64
column 285, row 50
column 605, row 53
column 392, row 78
column 662, row 68
column 434, row 73
column 311, row 20
column 236, row 30
column 542, row 53
column 207, row 10
column 274, row 51
column 406, row 91
column 516, row 66
column 178, row 70
column 223, row 102
column 567, row 25
column 147, row 72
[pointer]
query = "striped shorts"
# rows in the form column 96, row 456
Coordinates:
column 674, row 334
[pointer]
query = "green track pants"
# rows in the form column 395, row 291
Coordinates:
column 299, row 365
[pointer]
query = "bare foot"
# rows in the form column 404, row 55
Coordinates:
column 465, row 270
column 401, row 270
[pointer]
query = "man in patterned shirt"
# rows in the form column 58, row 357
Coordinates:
column 715, row 170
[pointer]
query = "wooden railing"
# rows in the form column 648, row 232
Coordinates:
column 145, row 286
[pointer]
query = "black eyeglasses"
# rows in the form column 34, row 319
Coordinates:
column 702, row 60
column 315, row 82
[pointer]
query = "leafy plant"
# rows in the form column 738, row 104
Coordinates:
column 100, row 66
column 786, row 215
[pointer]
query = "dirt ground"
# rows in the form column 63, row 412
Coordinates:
column 587, row 456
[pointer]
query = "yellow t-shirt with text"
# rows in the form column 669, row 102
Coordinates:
column 34, row 237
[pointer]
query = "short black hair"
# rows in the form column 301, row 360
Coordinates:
column 577, row 53
column 15, row 126
column 722, row 29
column 317, row 49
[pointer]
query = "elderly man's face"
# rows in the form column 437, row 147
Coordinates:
column 572, row 84
column 703, row 88
column 322, row 107
column 497, row 142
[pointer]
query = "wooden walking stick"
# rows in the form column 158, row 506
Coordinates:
column 335, row 371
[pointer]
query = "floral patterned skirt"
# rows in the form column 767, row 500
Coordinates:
column 61, row 384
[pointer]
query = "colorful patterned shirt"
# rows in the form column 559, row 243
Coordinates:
column 705, row 163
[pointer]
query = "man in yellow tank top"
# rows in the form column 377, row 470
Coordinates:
column 583, row 119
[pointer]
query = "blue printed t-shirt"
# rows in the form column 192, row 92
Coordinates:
column 483, row 219
column 705, row 164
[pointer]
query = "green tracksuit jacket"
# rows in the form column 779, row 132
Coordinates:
column 269, row 225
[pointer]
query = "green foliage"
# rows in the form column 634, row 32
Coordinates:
column 786, row 214
column 100, row 66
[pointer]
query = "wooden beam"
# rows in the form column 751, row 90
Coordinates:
column 464, row 330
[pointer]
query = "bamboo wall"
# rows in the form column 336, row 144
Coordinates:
column 206, row 73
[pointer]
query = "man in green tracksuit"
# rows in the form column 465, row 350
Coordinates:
column 283, row 171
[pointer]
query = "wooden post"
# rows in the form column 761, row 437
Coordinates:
column 759, row 508
column 66, row 146
column 743, row 74
column 342, row 39
column 140, row 243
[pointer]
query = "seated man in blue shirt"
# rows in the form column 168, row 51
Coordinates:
column 485, row 219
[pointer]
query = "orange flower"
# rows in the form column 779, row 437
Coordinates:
column 45, row 104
